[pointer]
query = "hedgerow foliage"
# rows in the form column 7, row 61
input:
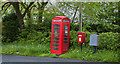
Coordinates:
column 41, row 34
column 10, row 27
column 110, row 40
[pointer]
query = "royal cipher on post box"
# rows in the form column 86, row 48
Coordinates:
column 81, row 37
column 60, row 35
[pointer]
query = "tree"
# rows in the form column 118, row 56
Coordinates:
column 25, row 5
column 19, row 14
column 40, row 8
column 10, row 27
column 95, row 15
column 69, row 9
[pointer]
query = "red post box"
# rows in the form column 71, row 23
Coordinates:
column 60, row 35
column 81, row 37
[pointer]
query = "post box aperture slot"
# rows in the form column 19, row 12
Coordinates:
column 79, row 35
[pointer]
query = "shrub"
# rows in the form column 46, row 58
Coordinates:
column 73, row 37
column 87, row 39
column 44, row 26
column 10, row 27
column 110, row 40
column 35, row 37
column 74, row 27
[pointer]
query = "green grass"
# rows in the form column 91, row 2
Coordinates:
column 43, row 50
column 24, row 49
column 87, row 54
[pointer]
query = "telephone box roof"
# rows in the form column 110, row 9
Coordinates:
column 61, row 17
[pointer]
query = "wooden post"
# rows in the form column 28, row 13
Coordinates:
column 80, row 23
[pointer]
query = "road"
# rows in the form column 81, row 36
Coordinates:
column 14, row 59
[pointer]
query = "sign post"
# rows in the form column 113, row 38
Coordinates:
column 80, row 22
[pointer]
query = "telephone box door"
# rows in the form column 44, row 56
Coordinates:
column 66, row 38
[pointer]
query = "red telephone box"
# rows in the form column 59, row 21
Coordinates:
column 81, row 37
column 60, row 35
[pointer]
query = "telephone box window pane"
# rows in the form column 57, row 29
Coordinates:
column 56, row 41
column 65, row 36
column 55, row 48
column 56, row 38
column 56, row 25
column 56, row 31
column 56, row 28
column 65, row 25
column 66, row 29
column 55, row 45
column 66, row 32
column 56, row 35
column 65, row 39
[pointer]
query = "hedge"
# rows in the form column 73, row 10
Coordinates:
column 110, row 40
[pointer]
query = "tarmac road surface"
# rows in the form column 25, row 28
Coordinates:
column 15, row 59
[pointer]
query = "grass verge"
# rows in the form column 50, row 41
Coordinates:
column 43, row 50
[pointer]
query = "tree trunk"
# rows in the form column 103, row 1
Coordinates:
column 29, row 18
column 74, row 14
column 18, row 13
column 29, row 14
column 40, row 14
column 29, row 21
column 80, row 23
